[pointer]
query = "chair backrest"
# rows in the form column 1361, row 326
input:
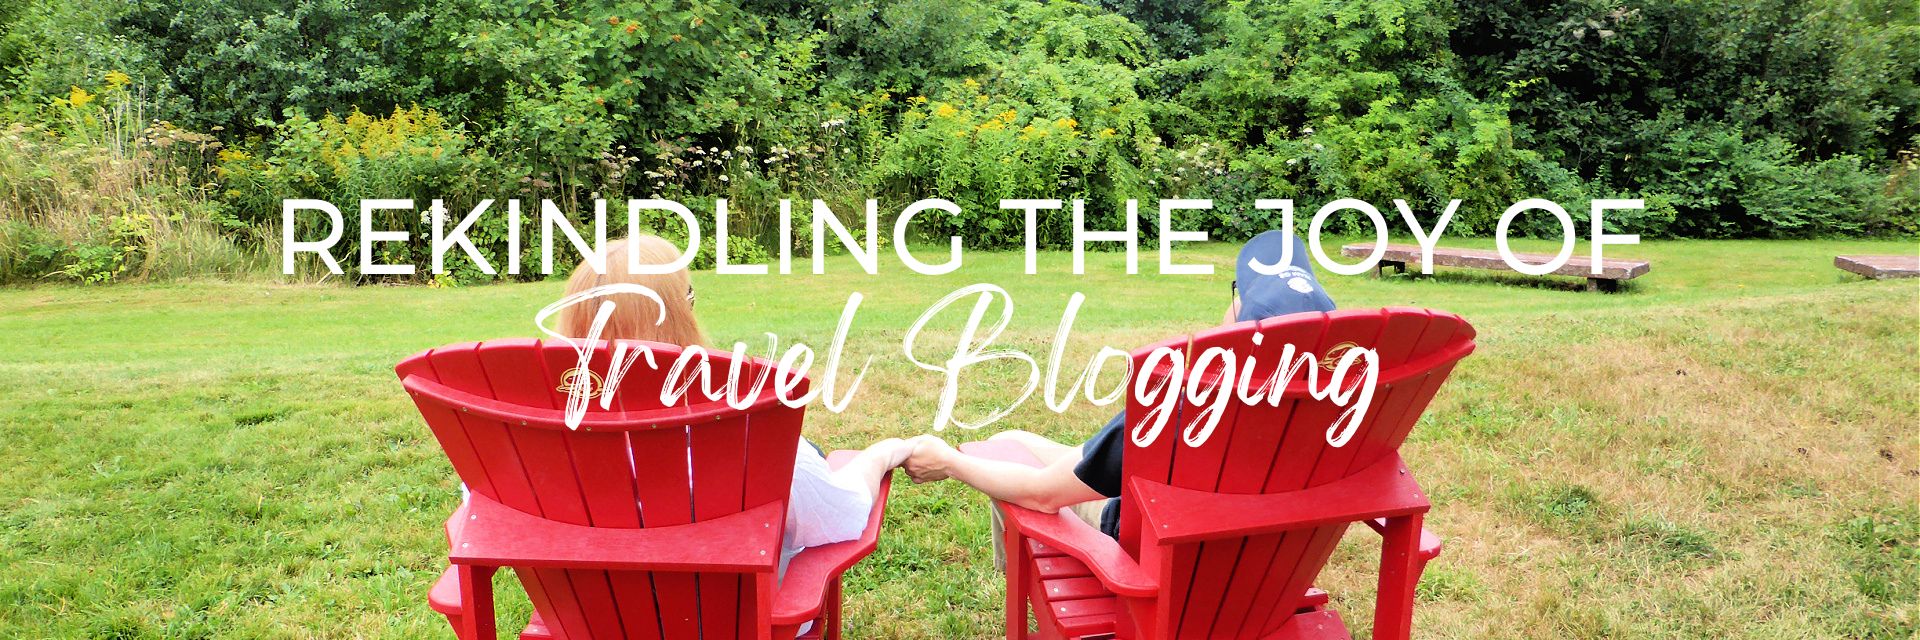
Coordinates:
column 656, row 466
column 1247, row 586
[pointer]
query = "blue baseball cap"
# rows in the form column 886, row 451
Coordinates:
column 1293, row 290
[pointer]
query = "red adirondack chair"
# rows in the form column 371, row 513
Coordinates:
column 649, row 521
column 1224, row 540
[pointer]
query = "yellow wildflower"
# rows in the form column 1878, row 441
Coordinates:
column 1066, row 123
column 1107, row 132
column 1008, row 116
column 973, row 84
column 117, row 79
column 944, row 110
column 79, row 97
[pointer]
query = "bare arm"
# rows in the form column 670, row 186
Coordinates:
column 873, row 463
column 1046, row 489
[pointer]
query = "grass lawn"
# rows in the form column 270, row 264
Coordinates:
column 1728, row 449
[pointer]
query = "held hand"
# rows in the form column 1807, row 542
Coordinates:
column 892, row 451
column 929, row 460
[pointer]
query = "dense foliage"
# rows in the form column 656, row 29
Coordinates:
column 1772, row 118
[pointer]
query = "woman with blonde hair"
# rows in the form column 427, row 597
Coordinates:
column 826, row 505
column 634, row 315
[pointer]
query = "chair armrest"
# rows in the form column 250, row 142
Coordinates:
column 456, row 521
column 1119, row 572
column 1429, row 543
column 1178, row 515
column 803, row 590
column 497, row 535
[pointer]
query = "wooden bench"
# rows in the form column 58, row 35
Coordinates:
column 1880, row 267
column 1398, row 256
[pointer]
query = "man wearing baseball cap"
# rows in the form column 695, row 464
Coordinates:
column 1293, row 289
column 1273, row 277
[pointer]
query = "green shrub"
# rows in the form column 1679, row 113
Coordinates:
column 1729, row 119
column 1902, row 214
column 48, row 47
column 1729, row 185
column 1766, row 118
column 92, row 196
column 413, row 153
column 979, row 149
column 242, row 63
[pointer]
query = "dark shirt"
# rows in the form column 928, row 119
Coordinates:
column 1293, row 290
column 1099, row 468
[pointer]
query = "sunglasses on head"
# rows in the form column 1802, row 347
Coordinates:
column 601, row 279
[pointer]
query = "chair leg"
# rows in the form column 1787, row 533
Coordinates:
column 1400, row 567
column 1019, row 560
column 476, row 591
column 832, row 617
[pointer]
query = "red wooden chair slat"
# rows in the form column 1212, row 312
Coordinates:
column 500, row 474
column 517, row 372
column 1252, row 455
column 1388, row 333
column 719, row 468
column 1273, row 582
column 1076, row 589
column 1202, row 467
column 662, row 478
column 1250, row 576
column 602, row 460
column 1086, row 626
column 1304, row 456
column 1085, row 607
column 1058, row 567
column 1152, row 463
column 1243, row 586
column 642, row 465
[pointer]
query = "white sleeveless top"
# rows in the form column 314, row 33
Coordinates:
column 823, row 508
